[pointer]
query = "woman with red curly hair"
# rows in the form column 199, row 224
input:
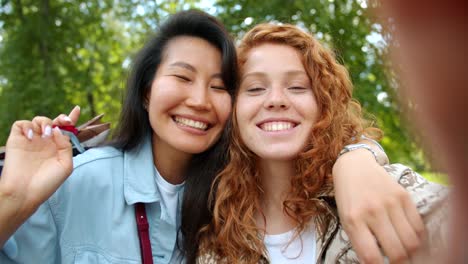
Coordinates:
column 274, row 202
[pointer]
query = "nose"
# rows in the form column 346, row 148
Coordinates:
column 198, row 98
column 276, row 99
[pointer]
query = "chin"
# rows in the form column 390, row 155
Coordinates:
column 280, row 152
column 193, row 147
column 279, row 155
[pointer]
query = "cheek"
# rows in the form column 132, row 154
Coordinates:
column 245, row 112
column 241, row 114
column 314, row 112
column 243, row 132
column 248, row 107
column 163, row 94
column 222, row 105
column 310, row 109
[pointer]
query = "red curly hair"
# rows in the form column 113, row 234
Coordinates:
column 233, row 235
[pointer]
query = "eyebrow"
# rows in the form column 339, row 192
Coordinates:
column 296, row 72
column 183, row 65
column 260, row 74
column 192, row 69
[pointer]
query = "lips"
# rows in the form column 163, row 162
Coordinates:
column 196, row 124
column 274, row 126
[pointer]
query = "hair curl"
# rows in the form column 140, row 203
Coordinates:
column 233, row 235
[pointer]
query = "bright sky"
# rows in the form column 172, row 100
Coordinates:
column 207, row 5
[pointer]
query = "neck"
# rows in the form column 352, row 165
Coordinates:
column 171, row 164
column 275, row 177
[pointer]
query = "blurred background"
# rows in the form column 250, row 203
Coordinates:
column 55, row 54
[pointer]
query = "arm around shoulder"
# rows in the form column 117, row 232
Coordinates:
column 432, row 202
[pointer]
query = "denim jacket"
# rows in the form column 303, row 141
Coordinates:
column 91, row 217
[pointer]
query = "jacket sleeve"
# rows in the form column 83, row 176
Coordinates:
column 35, row 241
column 432, row 202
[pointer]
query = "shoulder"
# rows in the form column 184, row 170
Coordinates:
column 431, row 200
column 94, row 169
column 428, row 196
column 97, row 155
column 97, row 175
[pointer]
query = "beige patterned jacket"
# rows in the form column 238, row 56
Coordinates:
column 431, row 200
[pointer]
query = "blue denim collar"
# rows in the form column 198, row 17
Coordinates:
column 139, row 175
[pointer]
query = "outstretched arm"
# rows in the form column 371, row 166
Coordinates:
column 374, row 209
column 38, row 160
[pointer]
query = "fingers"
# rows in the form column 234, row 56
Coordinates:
column 39, row 126
column 42, row 126
column 67, row 120
column 62, row 141
column 30, row 129
column 64, row 149
column 40, row 135
column 74, row 114
column 406, row 234
column 365, row 245
column 385, row 232
column 22, row 128
column 399, row 230
column 413, row 216
column 407, row 224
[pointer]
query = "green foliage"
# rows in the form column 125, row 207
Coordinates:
column 55, row 54
column 439, row 178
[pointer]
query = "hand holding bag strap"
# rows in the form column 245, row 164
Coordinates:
column 143, row 233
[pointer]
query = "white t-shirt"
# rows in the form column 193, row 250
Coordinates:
column 170, row 194
column 282, row 250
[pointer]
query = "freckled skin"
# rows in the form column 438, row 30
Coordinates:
column 272, row 91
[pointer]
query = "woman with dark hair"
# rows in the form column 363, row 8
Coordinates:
column 177, row 105
column 126, row 202
column 274, row 201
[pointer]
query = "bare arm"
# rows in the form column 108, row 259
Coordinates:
column 374, row 209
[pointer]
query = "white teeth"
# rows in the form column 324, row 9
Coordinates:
column 276, row 126
column 191, row 123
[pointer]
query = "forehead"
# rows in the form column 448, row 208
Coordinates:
column 192, row 50
column 272, row 57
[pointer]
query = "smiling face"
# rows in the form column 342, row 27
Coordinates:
column 188, row 104
column 276, row 108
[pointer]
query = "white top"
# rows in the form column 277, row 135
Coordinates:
column 170, row 197
column 282, row 250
